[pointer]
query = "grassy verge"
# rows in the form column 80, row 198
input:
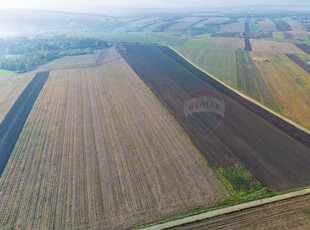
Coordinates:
column 243, row 186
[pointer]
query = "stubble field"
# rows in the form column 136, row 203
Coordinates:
column 99, row 151
column 226, row 43
column 10, row 89
column 273, row 47
column 289, row 84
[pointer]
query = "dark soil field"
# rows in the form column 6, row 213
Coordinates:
column 299, row 62
column 304, row 47
column 282, row 26
column 247, row 44
column 14, row 121
column 247, row 27
column 276, row 158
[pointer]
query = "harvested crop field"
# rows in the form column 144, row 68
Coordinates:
column 10, row 89
column 289, row 84
column 296, row 26
column 237, row 27
column 70, row 62
column 184, row 24
column 218, row 62
column 267, row 25
column 226, row 43
column 13, row 123
column 303, row 64
column 273, row 47
column 99, row 151
column 251, row 82
column 78, row 61
column 274, row 157
column 288, row 214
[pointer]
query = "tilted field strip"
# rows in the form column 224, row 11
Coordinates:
column 304, row 47
column 247, row 28
column 273, row 156
column 295, row 132
column 220, row 63
column 251, row 81
column 299, row 62
column 247, row 44
column 10, row 89
column 289, row 84
column 282, row 25
column 14, row 121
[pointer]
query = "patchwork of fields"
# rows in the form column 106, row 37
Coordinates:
column 274, row 157
column 113, row 139
column 265, row 74
column 289, row 84
column 99, row 150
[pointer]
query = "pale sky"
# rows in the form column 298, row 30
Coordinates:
column 82, row 4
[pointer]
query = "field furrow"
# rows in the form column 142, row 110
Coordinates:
column 98, row 150
column 273, row 156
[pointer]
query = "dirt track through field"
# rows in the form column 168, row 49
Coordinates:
column 14, row 121
column 228, row 210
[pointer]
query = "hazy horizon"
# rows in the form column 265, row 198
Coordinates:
column 80, row 5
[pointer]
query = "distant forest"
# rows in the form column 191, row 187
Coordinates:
column 24, row 54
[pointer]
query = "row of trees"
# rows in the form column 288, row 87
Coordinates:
column 34, row 52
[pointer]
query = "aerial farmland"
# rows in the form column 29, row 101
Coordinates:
column 151, row 118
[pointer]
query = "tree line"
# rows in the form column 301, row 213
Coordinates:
column 24, row 54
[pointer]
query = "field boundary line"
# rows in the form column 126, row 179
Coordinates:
column 228, row 210
column 307, row 131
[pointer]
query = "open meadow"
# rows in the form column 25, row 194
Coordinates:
column 98, row 150
column 218, row 62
